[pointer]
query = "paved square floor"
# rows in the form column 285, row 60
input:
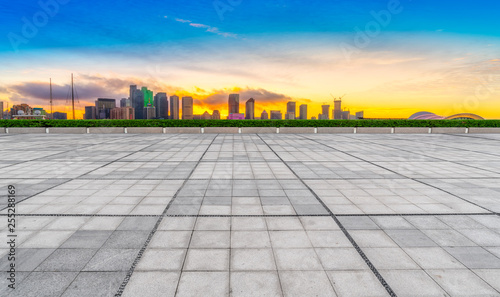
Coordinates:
column 252, row 215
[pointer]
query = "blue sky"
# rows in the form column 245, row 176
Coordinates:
column 101, row 23
column 288, row 49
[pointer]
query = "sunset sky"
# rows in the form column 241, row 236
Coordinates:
column 392, row 58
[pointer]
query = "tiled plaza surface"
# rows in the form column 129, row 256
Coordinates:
column 252, row 215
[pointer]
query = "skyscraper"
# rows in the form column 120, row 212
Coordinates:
column 303, row 112
column 234, row 103
column 103, row 108
column 276, row 115
column 122, row 113
column 1, row 110
column 161, row 105
column 149, row 112
column 187, row 108
column 133, row 88
column 325, row 110
column 138, row 104
column 90, row 113
column 148, row 96
column 290, row 110
column 250, row 109
column 174, row 107
column 337, row 109
column 264, row 115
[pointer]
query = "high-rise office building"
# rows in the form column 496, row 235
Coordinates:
column 90, row 113
column 122, row 113
column 133, row 88
column 187, row 108
column 138, row 104
column 216, row 115
column 174, row 107
column 346, row 115
column 1, row 110
column 148, row 96
column 276, row 115
column 125, row 102
column 250, row 109
column 103, row 108
column 234, row 103
column 264, row 115
column 337, row 109
column 290, row 110
column 149, row 112
column 303, row 112
column 325, row 112
column 161, row 105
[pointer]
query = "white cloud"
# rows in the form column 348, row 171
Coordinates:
column 208, row 28
column 182, row 21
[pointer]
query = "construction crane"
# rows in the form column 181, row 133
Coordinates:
column 337, row 98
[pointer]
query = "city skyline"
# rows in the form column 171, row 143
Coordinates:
column 392, row 58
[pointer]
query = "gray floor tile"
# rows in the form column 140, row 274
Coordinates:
column 112, row 260
column 462, row 282
column 306, row 283
column 412, row 283
column 204, row 284
column 95, row 284
column 45, row 284
column 152, row 283
column 474, row 257
column 262, row 283
column 67, row 260
column 356, row 284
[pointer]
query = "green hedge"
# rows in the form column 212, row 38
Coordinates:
column 249, row 123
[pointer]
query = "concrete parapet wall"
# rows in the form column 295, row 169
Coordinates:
column 258, row 130
column 374, row 130
column 296, row 130
column 248, row 130
column 67, row 130
column 411, row 130
column 335, row 130
column 37, row 130
column 144, row 130
column 484, row 130
column 106, row 130
column 221, row 130
column 182, row 130
column 448, row 130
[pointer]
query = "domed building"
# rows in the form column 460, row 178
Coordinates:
column 425, row 115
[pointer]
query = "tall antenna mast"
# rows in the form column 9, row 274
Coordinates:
column 51, row 111
column 72, row 96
